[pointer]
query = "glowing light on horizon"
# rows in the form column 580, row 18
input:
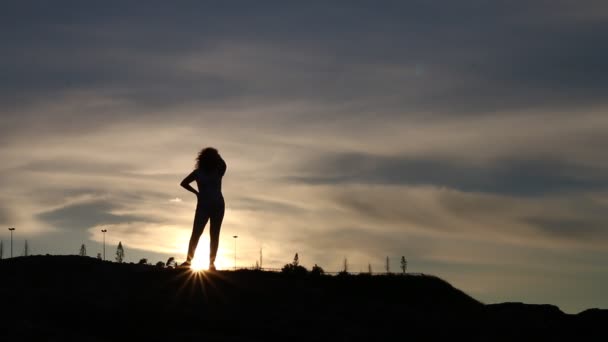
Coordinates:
column 201, row 257
column 198, row 264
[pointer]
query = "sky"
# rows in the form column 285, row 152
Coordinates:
column 468, row 136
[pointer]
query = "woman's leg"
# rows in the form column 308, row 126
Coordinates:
column 215, row 225
column 200, row 220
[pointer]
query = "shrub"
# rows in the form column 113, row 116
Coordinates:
column 317, row 270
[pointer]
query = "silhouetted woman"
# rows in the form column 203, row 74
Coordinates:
column 210, row 168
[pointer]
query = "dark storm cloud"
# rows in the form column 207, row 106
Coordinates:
column 80, row 217
column 460, row 57
column 509, row 177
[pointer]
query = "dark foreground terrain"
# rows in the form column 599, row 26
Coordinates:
column 69, row 298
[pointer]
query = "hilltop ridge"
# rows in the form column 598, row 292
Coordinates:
column 71, row 297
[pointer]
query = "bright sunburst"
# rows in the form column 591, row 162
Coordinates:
column 198, row 264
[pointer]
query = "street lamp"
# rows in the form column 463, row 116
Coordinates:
column 104, row 243
column 11, row 230
column 235, row 237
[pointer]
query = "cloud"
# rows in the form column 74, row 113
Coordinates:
column 510, row 177
column 473, row 54
column 444, row 213
column 82, row 216
column 67, row 166
column 5, row 216
column 248, row 203
column 589, row 228
column 144, row 236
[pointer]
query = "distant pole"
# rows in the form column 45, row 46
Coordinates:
column 260, row 258
column 235, row 237
column 387, row 266
column 11, row 230
column 104, row 243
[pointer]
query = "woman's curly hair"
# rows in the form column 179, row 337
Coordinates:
column 209, row 160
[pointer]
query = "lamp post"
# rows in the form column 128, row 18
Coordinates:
column 11, row 230
column 104, row 243
column 235, row 237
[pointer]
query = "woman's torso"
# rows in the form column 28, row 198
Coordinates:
column 209, row 186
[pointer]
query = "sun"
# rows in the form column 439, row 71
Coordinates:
column 200, row 262
column 198, row 265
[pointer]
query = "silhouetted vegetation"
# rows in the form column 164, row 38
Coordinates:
column 83, row 250
column 171, row 262
column 160, row 264
column 120, row 253
column 1, row 250
column 387, row 266
column 142, row 261
column 99, row 256
column 403, row 264
column 26, row 249
column 317, row 270
column 294, row 268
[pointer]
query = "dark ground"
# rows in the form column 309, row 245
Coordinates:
column 65, row 298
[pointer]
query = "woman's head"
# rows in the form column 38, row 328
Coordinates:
column 208, row 159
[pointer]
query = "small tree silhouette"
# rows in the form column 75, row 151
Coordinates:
column 83, row 250
column 26, row 249
column 296, row 260
column 294, row 268
column 317, row 270
column 143, row 261
column 120, row 253
column 403, row 264
column 388, row 266
column 160, row 264
column 344, row 268
column 369, row 268
column 171, row 262
column 99, row 256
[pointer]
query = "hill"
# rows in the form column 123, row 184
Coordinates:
column 78, row 298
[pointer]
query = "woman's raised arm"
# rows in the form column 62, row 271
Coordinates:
column 186, row 183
